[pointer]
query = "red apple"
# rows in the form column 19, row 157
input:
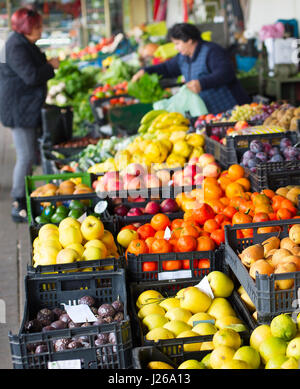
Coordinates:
column 101, row 187
column 126, row 180
column 198, row 179
column 110, row 176
column 240, row 125
column 193, row 161
column 169, row 205
column 205, row 159
column 152, row 208
column 178, row 178
column 135, row 183
column 121, row 210
column 191, row 170
column 135, row 212
column 164, row 176
column 211, row 170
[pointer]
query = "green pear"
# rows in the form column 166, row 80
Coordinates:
column 220, row 283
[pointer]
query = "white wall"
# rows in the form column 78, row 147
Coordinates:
column 262, row 12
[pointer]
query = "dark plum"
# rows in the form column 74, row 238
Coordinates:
column 112, row 338
column 57, row 313
column 71, row 324
column 88, row 300
column 106, row 310
column 59, row 324
column 94, row 310
column 273, row 151
column 290, row 152
column 285, row 142
column 248, row 154
column 102, row 338
column 42, row 348
column 253, row 169
column 276, row 158
column 119, row 316
column 48, row 328
column 65, row 318
column 32, row 346
column 99, row 321
column 252, row 163
column 108, row 319
column 45, row 316
column 61, row 344
column 256, row 146
column 118, row 306
column 75, row 344
column 33, row 326
column 262, row 157
column 267, row 147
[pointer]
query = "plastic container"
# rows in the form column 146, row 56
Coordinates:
column 268, row 300
column 274, row 175
column 33, row 182
column 50, row 292
column 232, row 152
column 78, row 266
column 57, row 124
column 169, row 289
column 141, row 356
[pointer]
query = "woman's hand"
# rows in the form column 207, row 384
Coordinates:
column 54, row 62
column 194, row 86
column 138, row 75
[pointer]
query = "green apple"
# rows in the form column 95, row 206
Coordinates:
column 67, row 255
column 125, row 236
column 92, row 228
column 220, row 283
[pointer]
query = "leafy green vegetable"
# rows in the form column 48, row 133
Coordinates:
column 147, row 89
column 117, row 72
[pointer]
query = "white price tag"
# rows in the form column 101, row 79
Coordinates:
column 80, row 313
column 66, row 364
column 101, row 206
column 171, row 182
column 82, row 217
column 167, row 234
column 100, row 112
column 204, row 286
column 173, row 275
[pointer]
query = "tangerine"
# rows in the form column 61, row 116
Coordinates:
column 160, row 221
column 186, row 243
column 235, row 172
column 234, row 189
column 160, row 246
column 205, row 243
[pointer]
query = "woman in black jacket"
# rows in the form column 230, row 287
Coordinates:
column 23, row 89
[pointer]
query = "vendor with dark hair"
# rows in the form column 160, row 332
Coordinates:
column 206, row 67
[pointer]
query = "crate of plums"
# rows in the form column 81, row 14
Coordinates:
column 272, row 166
column 74, row 322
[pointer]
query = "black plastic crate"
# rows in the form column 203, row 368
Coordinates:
column 50, row 292
column 231, row 153
column 274, row 175
column 79, row 266
column 141, row 356
column 57, row 123
column 169, row 289
column 269, row 301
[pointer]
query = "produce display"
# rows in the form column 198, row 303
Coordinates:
column 285, row 116
column 91, row 51
column 108, row 90
column 66, row 187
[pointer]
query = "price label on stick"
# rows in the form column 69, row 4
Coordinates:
column 101, row 206
column 80, row 313
column 204, row 286
column 67, row 364
column 167, row 234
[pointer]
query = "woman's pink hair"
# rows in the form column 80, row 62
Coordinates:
column 24, row 20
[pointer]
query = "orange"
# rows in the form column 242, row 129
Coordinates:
column 161, row 246
column 225, row 201
column 176, row 223
column 269, row 193
column 224, row 181
column 216, row 205
column 204, row 263
column 149, row 242
column 246, row 184
column 234, row 189
column 160, row 221
column 212, row 192
column 149, row 266
column 229, row 211
column 137, row 246
column 186, row 264
column 146, row 231
column 190, row 231
column 171, row 265
column 288, row 204
column 276, row 202
column 129, row 227
column 186, row 243
column 205, row 243
column 176, row 233
column 218, row 236
column 203, row 213
column 235, row 172
column 210, row 181
column 266, row 230
column 260, row 217
column 241, row 218
column 220, row 218
column 284, row 213
column 159, row 234
column 260, row 199
column 225, row 223
column 210, row 225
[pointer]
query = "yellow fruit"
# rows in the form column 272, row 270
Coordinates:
column 159, row 333
column 181, row 147
column 178, row 314
column 227, row 337
column 147, row 297
column 176, row 326
column 220, row 307
column 259, row 334
column 67, row 255
column 170, row 303
column 205, row 329
column 191, row 364
column 77, row 247
column 70, row 235
column 195, row 140
column 220, row 355
column 159, row 365
column 199, row 317
column 148, row 309
column 189, row 347
column 154, row 320
column 195, row 300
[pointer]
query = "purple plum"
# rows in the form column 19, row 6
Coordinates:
column 273, row 151
column 256, row 146
column 262, row 157
column 284, row 143
column 252, row 163
column 248, row 154
column 267, row 147
column 276, row 158
column 290, row 152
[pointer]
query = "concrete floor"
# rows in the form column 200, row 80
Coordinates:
column 14, row 254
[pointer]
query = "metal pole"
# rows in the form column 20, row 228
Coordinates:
column 107, row 19
column 84, row 23
column 8, row 9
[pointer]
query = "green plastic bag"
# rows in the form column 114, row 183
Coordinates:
column 183, row 101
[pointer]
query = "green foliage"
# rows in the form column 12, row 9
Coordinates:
column 147, row 89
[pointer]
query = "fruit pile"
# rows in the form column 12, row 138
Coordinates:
column 66, row 187
column 273, row 346
column 163, row 121
column 262, row 152
column 108, row 90
column 285, row 116
column 276, row 256
column 73, row 241
column 166, row 206
column 189, row 313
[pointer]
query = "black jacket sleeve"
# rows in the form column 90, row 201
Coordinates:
column 167, row 69
column 19, row 59
column 220, row 67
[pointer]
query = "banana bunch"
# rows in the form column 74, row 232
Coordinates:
column 163, row 122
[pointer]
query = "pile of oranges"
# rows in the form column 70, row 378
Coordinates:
column 232, row 202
